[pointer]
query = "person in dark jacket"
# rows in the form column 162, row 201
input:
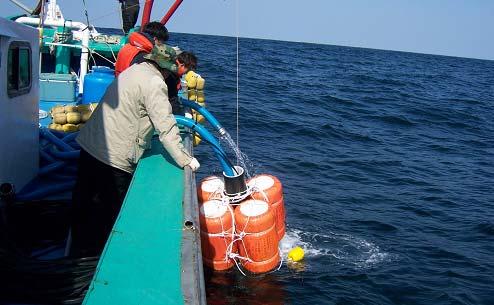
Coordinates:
column 130, row 13
column 186, row 61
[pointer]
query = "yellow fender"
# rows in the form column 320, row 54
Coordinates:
column 74, row 117
column 60, row 118
column 197, row 139
column 192, row 95
column 70, row 128
column 57, row 109
column 200, row 97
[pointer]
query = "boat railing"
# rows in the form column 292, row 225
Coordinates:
column 72, row 25
column 193, row 286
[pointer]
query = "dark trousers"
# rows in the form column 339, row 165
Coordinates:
column 96, row 201
column 130, row 13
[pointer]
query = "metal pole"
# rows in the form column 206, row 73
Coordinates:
column 171, row 11
column 193, row 286
column 146, row 14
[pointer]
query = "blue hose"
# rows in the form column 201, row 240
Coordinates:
column 75, row 145
column 70, row 137
column 206, row 135
column 44, row 155
column 46, row 191
column 44, row 132
column 202, row 110
column 59, row 155
column 66, row 155
column 51, row 167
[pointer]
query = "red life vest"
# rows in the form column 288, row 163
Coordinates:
column 137, row 43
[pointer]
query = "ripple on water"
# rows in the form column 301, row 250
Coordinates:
column 486, row 228
column 335, row 249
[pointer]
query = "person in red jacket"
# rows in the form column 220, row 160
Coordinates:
column 140, row 44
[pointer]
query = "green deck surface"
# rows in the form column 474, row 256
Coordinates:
column 141, row 260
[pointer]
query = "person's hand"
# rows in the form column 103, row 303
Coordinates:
column 194, row 164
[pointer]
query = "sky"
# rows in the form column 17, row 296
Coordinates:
column 461, row 28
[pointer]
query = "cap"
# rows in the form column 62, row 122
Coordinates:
column 164, row 56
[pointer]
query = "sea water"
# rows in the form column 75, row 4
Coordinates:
column 387, row 163
column 235, row 155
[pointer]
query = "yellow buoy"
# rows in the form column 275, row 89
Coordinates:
column 296, row 254
column 85, row 115
column 200, row 83
column 200, row 97
column 83, row 107
column 57, row 109
column 70, row 128
column 55, row 126
column 189, row 75
column 73, row 117
column 60, row 118
column 197, row 139
column 199, row 118
column 70, row 108
column 192, row 95
column 191, row 79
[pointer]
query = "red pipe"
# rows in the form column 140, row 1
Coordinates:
column 146, row 14
column 171, row 11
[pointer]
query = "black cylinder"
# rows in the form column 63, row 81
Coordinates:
column 235, row 185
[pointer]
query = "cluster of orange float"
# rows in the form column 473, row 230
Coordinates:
column 247, row 230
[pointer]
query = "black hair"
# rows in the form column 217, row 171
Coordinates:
column 188, row 59
column 156, row 29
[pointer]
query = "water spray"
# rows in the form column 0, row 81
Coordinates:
column 206, row 135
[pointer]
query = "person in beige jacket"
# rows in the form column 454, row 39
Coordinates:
column 134, row 106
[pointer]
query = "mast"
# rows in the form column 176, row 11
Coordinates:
column 170, row 12
column 146, row 14
column 148, row 7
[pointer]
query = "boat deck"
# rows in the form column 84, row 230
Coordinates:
column 141, row 262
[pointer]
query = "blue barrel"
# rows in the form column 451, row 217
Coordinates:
column 95, row 84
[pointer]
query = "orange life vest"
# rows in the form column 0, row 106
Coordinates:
column 138, row 42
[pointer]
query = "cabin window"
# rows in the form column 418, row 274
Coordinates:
column 19, row 69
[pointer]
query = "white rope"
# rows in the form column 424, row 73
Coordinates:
column 237, row 34
column 216, row 194
column 40, row 28
column 85, row 12
column 236, row 198
column 237, row 236
column 112, row 52
column 92, row 51
column 281, row 259
column 256, row 189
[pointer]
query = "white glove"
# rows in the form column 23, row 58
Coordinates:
column 194, row 164
column 188, row 115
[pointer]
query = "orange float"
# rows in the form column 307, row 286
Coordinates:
column 268, row 187
column 215, row 218
column 210, row 188
column 260, row 243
